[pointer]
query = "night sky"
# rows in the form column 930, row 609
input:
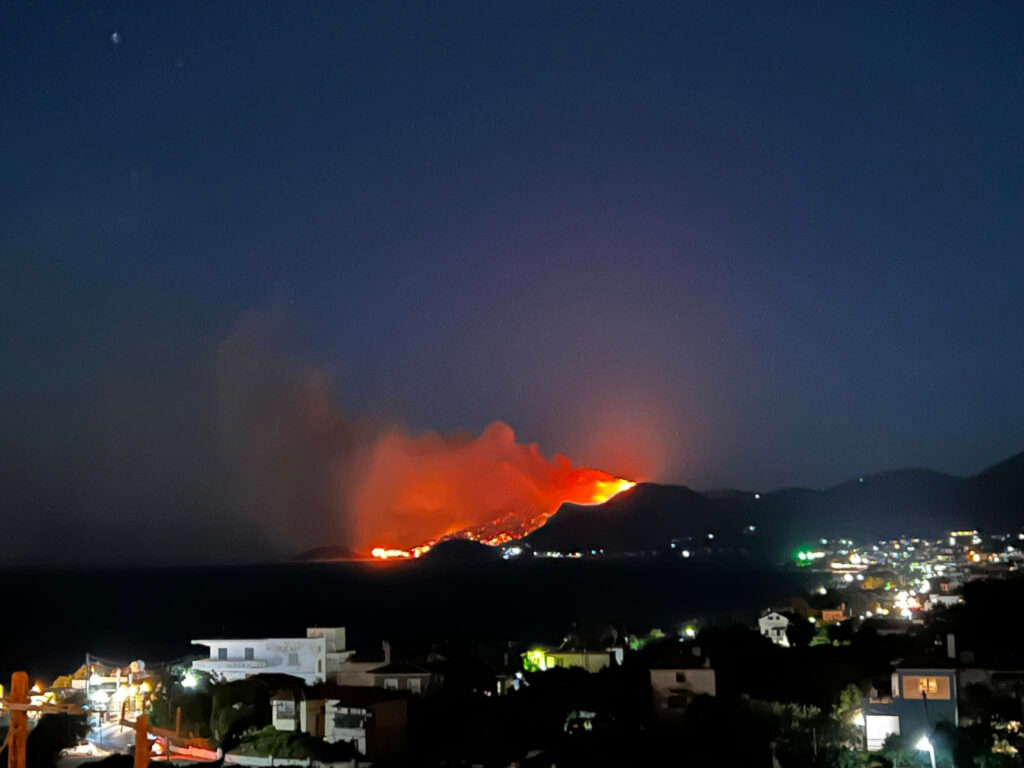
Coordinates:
column 746, row 245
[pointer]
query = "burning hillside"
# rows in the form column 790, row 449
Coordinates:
column 416, row 491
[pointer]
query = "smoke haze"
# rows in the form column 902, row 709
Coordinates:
column 245, row 455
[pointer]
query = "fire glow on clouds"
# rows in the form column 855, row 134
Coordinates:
column 416, row 491
column 291, row 450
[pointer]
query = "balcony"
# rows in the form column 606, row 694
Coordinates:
column 221, row 665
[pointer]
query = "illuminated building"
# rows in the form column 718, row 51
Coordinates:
column 312, row 658
column 922, row 697
column 543, row 659
column 773, row 625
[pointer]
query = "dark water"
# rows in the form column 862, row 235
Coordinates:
column 52, row 618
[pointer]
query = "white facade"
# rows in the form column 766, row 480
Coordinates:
column 337, row 654
column 283, row 712
column 773, row 625
column 303, row 657
column 947, row 601
column 346, row 724
column 877, row 728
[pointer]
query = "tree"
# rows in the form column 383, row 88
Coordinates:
column 799, row 632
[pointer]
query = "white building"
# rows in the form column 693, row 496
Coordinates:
column 311, row 658
column 773, row 625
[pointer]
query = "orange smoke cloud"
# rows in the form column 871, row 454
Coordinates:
column 413, row 491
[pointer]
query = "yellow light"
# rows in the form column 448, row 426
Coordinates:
column 389, row 554
column 606, row 489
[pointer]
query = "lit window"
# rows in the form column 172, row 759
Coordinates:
column 391, row 683
column 928, row 685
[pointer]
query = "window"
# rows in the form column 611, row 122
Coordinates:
column 415, row 684
column 391, row 683
column 286, row 709
column 936, row 687
column 680, row 677
column 250, row 654
column 349, row 720
column 222, row 653
column 293, row 659
column 320, row 665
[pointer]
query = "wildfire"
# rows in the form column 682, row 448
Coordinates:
column 589, row 486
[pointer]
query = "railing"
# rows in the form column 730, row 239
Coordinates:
column 206, row 664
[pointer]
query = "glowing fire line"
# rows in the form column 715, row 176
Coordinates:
column 603, row 491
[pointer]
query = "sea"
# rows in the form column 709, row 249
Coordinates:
column 52, row 618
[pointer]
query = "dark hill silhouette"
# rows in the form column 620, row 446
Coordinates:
column 328, row 553
column 882, row 505
column 645, row 517
column 461, row 550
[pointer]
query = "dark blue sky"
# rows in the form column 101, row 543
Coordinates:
column 751, row 244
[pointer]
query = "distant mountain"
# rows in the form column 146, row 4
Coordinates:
column 461, row 550
column 916, row 502
column 333, row 552
column 645, row 517
column 883, row 505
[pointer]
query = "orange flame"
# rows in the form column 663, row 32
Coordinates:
column 415, row 492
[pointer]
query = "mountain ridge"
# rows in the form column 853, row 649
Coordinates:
column 915, row 501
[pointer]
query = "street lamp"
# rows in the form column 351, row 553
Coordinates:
column 925, row 745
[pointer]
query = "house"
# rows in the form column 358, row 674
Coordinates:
column 286, row 704
column 833, row 615
column 945, row 600
column 773, row 625
column 504, row 662
column 404, row 676
column 542, row 659
column 373, row 720
column 675, row 684
column 376, row 721
column 921, row 698
column 357, row 668
column 312, row 658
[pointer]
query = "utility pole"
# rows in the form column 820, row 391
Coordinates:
column 18, row 737
column 141, row 742
column 19, row 705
